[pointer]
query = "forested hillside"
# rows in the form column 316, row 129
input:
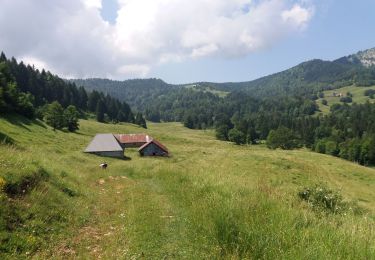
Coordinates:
column 33, row 93
column 137, row 92
column 280, row 108
column 305, row 80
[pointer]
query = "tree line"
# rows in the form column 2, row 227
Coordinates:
column 284, row 122
column 347, row 132
column 30, row 92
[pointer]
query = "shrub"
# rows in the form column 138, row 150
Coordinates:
column 331, row 148
column 346, row 99
column 325, row 200
column 320, row 146
column 236, row 136
column 369, row 92
column 283, row 138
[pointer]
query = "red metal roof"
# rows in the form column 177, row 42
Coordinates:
column 155, row 142
column 133, row 138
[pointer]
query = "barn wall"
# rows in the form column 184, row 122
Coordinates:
column 116, row 154
column 152, row 150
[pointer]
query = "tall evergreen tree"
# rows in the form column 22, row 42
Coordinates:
column 93, row 101
column 100, row 111
column 139, row 120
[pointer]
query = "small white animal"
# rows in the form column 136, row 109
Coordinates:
column 103, row 166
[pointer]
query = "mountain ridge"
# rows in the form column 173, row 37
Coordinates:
column 305, row 80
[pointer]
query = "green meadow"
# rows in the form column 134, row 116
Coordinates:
column 209, row 200
column 357, row 92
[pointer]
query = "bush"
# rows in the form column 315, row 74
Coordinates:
column 283, row 138
column 325, row 200
column 222, row 132
column 331, row 148
column 236, row 136
column 369, row 92
column 320, row 147
column 324, row 102
column 346, row 99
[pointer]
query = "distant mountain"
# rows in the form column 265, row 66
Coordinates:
column 304, row 79
column 312, row 76
column 365, row 58
column 135, row 91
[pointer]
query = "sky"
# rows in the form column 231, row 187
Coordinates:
column 182, row 41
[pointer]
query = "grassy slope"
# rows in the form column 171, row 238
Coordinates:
column 358, row 97
column 211, row 199
column 205, row 89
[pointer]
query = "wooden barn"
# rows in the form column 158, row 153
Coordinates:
column 105, row 145
column 153, row 148
column 133, row 140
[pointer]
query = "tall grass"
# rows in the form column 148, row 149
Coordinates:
column 209, row 200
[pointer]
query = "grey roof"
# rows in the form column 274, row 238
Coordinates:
column 104, row 143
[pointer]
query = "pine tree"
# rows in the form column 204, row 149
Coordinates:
column 100, row 111
column 139, row 120
column 83, row 98
column 2, row 57
column 93, row 101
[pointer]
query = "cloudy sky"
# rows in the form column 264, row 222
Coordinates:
column 182, row 41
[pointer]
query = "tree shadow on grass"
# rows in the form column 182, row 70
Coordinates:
column 127, row 158
column 5, row 139
column 79, row 133
column 23, row 122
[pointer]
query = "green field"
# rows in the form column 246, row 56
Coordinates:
column 207, row 89
column 210, row 199
column 358, row 97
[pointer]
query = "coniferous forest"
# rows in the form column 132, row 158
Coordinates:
column 280, row 109
column 285, row 118
column 32, row 93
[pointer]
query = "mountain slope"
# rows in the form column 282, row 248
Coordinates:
column 302, row 80
column 312, row 76
column 365, row 58
column 136, row 92
column 211, row 199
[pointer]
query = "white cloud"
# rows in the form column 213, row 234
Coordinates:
column 72, row 39
column 134, row 69
column 93, row 3
column 297, row 16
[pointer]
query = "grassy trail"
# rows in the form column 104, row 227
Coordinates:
column 210, row 199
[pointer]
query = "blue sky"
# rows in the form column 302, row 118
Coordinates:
column 182, row 41
column 338, row 28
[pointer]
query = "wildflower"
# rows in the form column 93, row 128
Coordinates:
column 2, row 184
